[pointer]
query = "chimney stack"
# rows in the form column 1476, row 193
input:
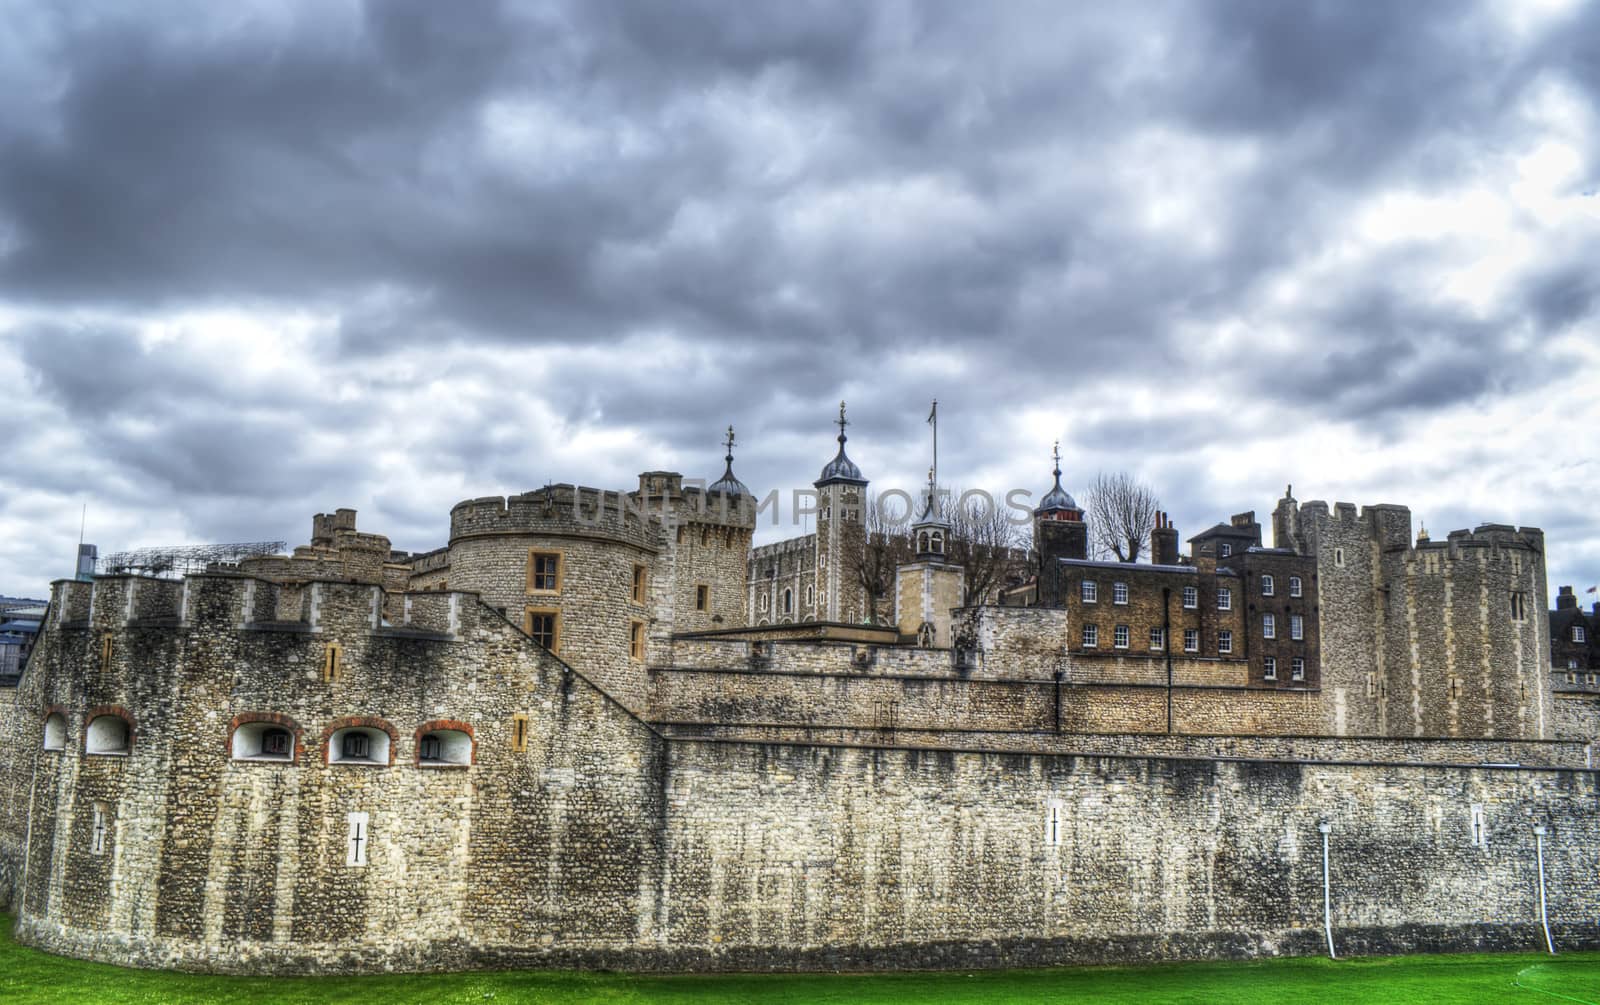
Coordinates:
column 1566, row 600
column 1164, row 541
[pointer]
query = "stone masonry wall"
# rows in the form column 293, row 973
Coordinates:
column 594, row 601
column 217, row 863
column 870, row 858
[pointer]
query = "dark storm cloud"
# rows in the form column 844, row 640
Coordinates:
column 702, row 213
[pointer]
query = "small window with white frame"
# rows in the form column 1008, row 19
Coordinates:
column 1269, row 626
column 359, row 745
column 1269, row 667
column 262, row 741
column 1119, row 593
column 1297, row 668
column 1191, row 597
column 1224, row 550
column 1158, row 638
column 1119, row 637
column 1578, row 633
column 55, row 731
column 1224, row 598
column 1295, row 588
column 444, row 748
column 108, row 736
column 1297, row 627
column 1089, row 591
column 1225, row 642
column 1191, row 640
column 1266, row 586
column 1091, row 636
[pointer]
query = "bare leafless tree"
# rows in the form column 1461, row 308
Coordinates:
column 888, row 546
column 1121, row 511
column 985, row 542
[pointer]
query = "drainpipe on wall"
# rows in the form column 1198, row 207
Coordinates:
column 1166, row 643
column 1327, row 898
column 1544, row 918
column 1058, row 701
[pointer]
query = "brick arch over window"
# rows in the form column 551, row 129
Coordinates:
column 364, row 721
column 438, row 725
column 102, row 712
column 271, row 718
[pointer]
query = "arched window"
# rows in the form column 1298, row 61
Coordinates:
column 788, row 601
column 444, row 744
column 811, row 596
column 108, row 734
column 363, row 742
column 55, row 731
column 922, row 541
column 264, row 737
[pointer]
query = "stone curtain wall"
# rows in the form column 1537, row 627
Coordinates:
column 604, row 844
column 862, row 858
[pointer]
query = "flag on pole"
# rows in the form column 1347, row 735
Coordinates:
column 933, row 414
column 1592, row 589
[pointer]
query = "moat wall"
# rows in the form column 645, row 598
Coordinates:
column 597, row 842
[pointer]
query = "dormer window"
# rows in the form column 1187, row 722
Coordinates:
column 1577, row 633
column 1224, row 550
column 359, row 745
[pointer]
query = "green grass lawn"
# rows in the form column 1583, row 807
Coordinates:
column 30, row 976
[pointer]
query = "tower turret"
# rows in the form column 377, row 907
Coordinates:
column 1058, row 532
column 841, row 536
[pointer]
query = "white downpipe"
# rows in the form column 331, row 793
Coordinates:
column 1327, row 897
column 1544, row 917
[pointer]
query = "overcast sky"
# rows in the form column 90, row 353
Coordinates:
column 259, row 260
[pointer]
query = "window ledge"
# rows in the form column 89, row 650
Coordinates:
column 265, row 759
column 105, row 753
column 442, row 764
column 359, row 763
column 53, row 750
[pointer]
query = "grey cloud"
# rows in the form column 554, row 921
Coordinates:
column 737, row 187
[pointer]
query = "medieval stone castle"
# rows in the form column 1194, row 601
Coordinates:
column 601, row 729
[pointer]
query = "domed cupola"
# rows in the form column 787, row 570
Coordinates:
column 931, row 531
column 841, row 470
column 728, row 484
column 1057, row 504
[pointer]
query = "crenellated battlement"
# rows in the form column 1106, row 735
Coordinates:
column 564, row 511
column 231, row 601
